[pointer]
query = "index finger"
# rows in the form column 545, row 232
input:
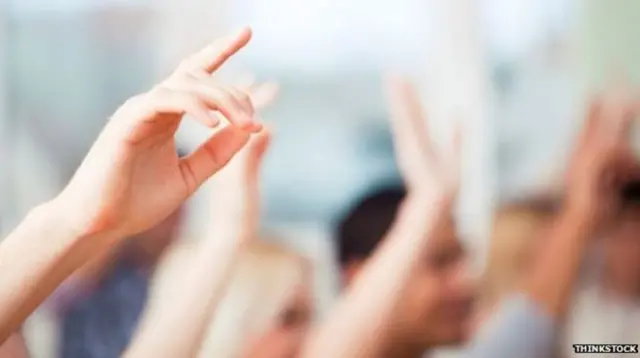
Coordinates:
column 210, row 58
column 407, row 114
column 620, row 113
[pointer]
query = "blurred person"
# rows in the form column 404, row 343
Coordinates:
column 364, row 226
column 525, row 324
column 516, row 237
column 530, row 321
column 407, row 288
column 99, row 308
column 130, row 180
column 607, row 308
column 267, row 310
column 192, row 280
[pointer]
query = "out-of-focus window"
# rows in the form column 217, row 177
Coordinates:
column 69, row 64
column 330, row 56
column 530, row 43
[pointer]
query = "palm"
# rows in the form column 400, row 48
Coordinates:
column 421, row 168
column 132, row 178
column 156, row 188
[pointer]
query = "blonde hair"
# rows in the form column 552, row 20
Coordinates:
column 516, row 229
column 263, row 282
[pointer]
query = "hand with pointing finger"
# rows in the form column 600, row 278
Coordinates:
column 132, row 177
column 235, row 201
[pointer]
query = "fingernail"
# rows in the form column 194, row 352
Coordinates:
column 249, row 119
column 215, row 120
column 257, row 127
column 254, row 124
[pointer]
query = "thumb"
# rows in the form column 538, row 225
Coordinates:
column 212, row 155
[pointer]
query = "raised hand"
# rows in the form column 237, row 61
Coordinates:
column 603, row 159
column 422, row 168
column 235, row 201
column 262, row 94
column 236, row 192
column 192, row 278
column 132, row 177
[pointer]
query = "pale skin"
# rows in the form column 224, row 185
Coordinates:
column 130, row 180
column 357, row 326
column 261, row 94
column 192, row 278
column 14, row 347
column 601, row 162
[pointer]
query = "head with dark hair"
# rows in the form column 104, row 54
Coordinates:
column 365, row 225
column 434, row 309
column 630, row 194
column 622, row 247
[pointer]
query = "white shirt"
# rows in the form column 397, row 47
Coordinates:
column 597, row 317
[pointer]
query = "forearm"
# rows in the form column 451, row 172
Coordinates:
column 358, row 326
column 550, row 283
column 179, row 316
column 82, row 281
column 34, row 259
column 14, row 347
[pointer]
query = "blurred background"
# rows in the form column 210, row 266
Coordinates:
column 516, row 72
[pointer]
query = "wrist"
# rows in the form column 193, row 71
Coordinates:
column 429, row 197
column 428, row 205
column 60, row 218
column 582, row 214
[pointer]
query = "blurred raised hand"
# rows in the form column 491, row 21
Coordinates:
column 603, row 159
column 422, row 167
column 132, row 177
column 262, row 94
column 235, row 199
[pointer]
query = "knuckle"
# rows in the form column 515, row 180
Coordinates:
column 225, row 96
column 185, row 65
column 244, row 97
column 193, row 102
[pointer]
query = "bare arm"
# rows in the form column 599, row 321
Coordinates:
column 82, row 280
column 550, row 282
column 187, row 290
column 115, row 192
column 14, row 347
column 359, row 325
column 600, row 164
column 40, row 253
column 192, row 281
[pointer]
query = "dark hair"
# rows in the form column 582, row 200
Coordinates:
column 366, row 223
column 543, row 205
column 630, row 194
